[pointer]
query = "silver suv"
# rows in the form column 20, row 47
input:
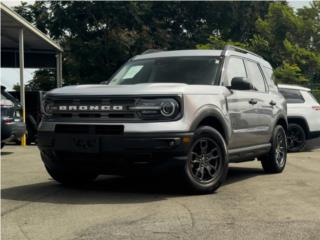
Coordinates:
column 197, row 110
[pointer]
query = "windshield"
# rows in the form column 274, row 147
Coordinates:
column 188, row 70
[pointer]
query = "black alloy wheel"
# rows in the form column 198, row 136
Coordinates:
column 205, row 160
column 296, row 138
column 280, row 149
column 275, row 160
column 206, row 166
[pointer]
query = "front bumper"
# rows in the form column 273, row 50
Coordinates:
column 113, row 151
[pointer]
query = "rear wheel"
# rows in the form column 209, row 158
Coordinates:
column 207, row 164
column 275, row 160
column 296, row 138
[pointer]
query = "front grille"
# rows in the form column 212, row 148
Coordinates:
column 93, row 114
column 90, row 129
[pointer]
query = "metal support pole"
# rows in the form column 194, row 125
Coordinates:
column 59, row 69
column 22, row 93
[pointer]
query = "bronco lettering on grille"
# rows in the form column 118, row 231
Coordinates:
column 90, row 108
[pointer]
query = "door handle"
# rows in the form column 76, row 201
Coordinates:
column 253, row 101
column 273, row 103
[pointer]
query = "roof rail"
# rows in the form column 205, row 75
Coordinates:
column 152, row 51
column 238, row 49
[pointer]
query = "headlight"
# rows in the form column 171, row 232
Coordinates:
column 47, row 108
column 157, row 109
column 168, row 108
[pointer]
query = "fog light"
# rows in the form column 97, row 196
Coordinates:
column 186, row 140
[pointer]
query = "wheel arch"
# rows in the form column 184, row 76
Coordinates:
column 281, row 120
column 300, row 121
column 211, row 116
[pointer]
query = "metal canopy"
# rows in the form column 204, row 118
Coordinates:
column 23, row 45
column 39, row 49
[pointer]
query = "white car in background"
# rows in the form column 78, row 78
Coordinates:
column 303, row 115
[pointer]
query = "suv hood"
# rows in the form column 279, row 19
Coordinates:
column 136, row 89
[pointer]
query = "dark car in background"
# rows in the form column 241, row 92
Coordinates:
column 12, row 126
column 33, row 113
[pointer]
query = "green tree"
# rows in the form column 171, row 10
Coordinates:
column 43, row 79
column 98, row 37
column 287, row 39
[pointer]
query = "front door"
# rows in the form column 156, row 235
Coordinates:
column 241, row 107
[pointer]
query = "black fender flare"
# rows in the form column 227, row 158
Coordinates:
column 281, row 116
column 212, row 111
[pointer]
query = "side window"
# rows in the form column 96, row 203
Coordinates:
column 255, row 76
column 235, row 69
column 292, row 96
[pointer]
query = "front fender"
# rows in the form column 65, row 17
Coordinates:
column 211, row 111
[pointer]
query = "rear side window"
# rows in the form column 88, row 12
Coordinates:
column 268, row 73
column 292, row 96
column 313, row 97
column 255, row 76
column 235, row 69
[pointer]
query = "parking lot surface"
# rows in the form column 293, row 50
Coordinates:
column 250, row 205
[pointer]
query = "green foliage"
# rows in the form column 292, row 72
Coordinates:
column 43, row 79
column 316, row 93
column 16, row 87
column 288, row 40
column 98, row 37
column 290, row 74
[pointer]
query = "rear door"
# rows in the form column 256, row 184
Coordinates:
column 263, row 104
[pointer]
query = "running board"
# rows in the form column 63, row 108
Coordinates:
column 248, row 153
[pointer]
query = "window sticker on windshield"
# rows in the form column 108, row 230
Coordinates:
column 133, row 71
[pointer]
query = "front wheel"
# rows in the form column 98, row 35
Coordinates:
column 275, row 160
column 207, row 164
column 71, row 178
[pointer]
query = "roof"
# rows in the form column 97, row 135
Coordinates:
column 199, row 53
column 34, row 39
column 295, row 87
column 178, row 53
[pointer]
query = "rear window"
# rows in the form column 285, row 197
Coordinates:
column 292, row 96
column 313, row 97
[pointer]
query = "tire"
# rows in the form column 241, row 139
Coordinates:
column 275, row 160
column 71, row 178
column 296, row 138
column 207, row 162
column 66, row 175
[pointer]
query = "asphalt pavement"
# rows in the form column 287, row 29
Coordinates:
column 250, row 205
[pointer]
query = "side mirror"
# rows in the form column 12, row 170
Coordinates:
column 241, row 83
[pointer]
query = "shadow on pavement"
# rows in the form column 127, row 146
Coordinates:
column 312, row 144
column 3, row 153
column 113, row 190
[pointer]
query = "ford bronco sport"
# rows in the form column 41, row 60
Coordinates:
column 196, row 109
